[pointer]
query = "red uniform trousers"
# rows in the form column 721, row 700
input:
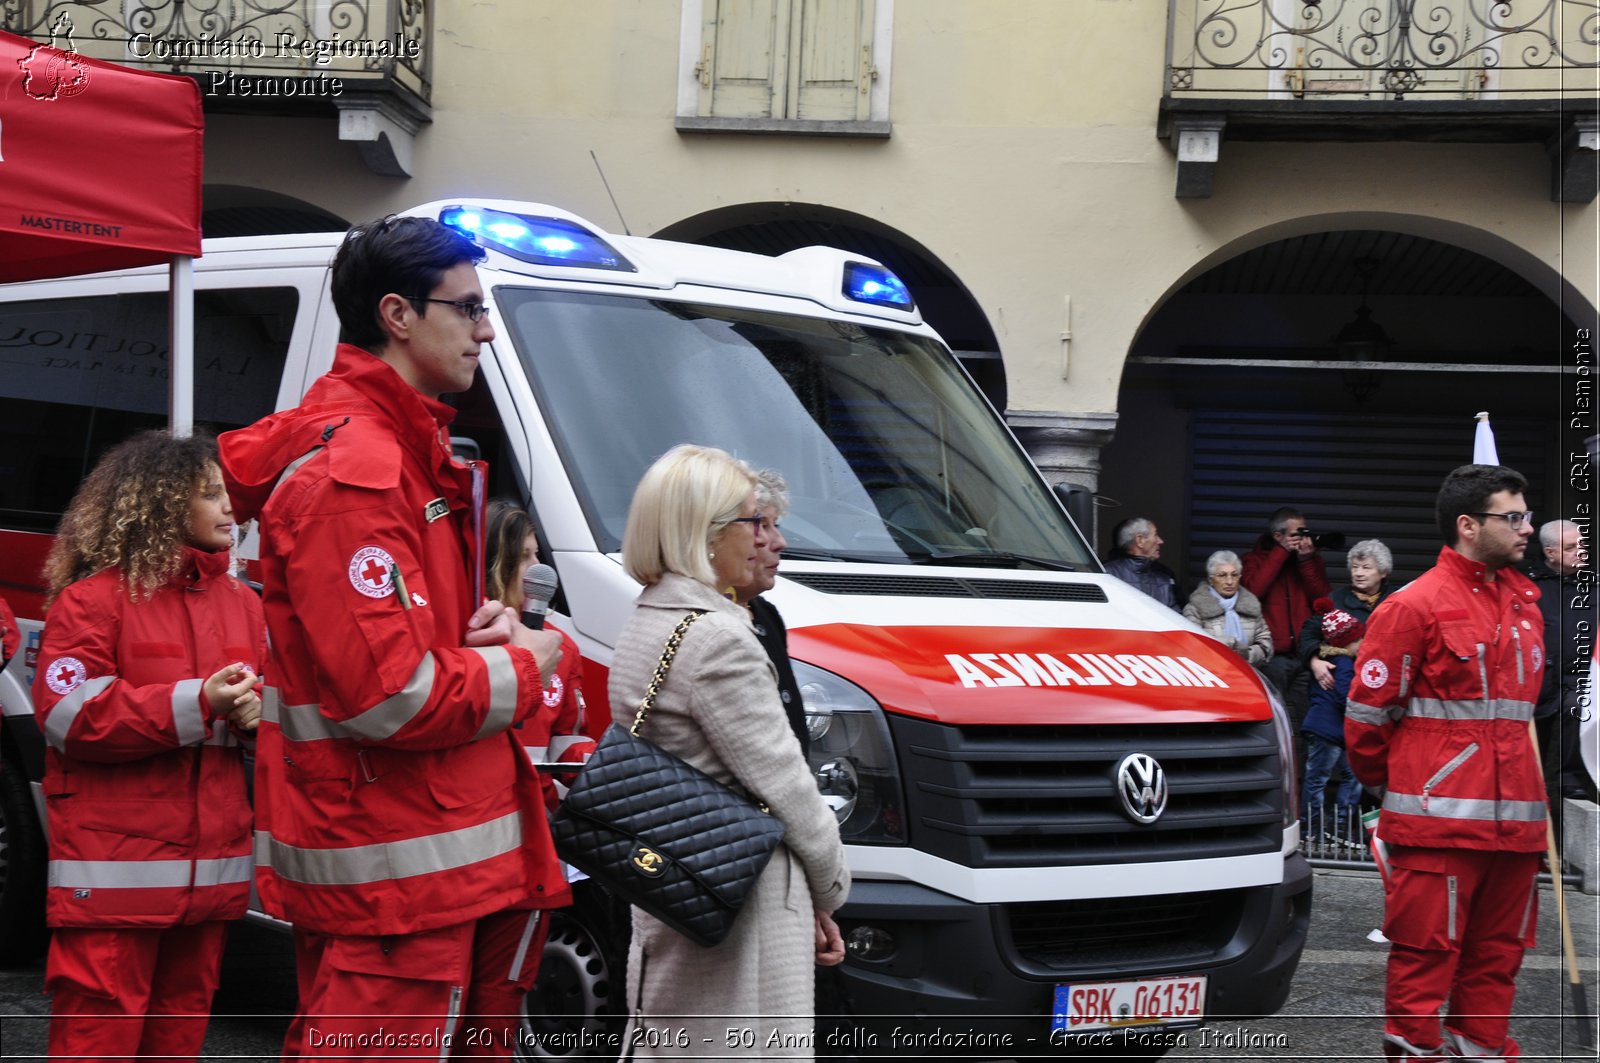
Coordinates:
column 455, row 991
column 1459, row 922
column 132, row 992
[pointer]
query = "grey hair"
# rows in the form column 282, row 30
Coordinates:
column 772, row 491
column 1220, row 558
column 1281, row 517
column 1372, row 550
column 1131, row 530
column 1550, row 532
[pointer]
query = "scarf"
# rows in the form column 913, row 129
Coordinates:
column 1230, row 617
column 1368, row 600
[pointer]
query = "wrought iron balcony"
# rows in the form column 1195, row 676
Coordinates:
column 1466, row 70
column 367, row 60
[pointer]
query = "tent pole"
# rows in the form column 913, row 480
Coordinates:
column 180, row 366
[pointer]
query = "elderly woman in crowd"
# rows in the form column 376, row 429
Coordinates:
column 1228, row 612
column 772, row 502
column 694, row 532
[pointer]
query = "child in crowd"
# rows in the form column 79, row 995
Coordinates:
column 147, row 681
column 1324, row 732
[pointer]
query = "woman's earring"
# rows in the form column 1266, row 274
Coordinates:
column 711, row 555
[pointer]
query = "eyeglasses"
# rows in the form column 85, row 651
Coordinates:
column 754, row 522
column 473, row 311
column 1515, row 520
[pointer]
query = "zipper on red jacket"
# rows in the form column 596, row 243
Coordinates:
column 1444, row 773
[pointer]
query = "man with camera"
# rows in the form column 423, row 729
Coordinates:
column 1287, row 574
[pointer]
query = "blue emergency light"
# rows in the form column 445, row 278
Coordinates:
column 873, row 284
column 529, row 238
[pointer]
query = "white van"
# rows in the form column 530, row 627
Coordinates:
column 1068, row 814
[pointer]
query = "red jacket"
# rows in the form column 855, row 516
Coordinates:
column 391, row 796
column 145, row 791
column 1286, row 587
column 1445, row 685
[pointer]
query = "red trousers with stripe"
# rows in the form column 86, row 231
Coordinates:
column 133, row 991
column 1459, row 922
column 452, row 992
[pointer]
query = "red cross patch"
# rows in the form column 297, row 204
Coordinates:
column 65, row 674
column 372, row 572
column 554, row 693
column 1374, row 674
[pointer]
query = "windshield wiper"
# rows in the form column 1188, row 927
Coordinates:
column 995, row 557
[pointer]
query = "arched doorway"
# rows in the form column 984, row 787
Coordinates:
column 774, row 228
column 1338, row 369
column 238, row 210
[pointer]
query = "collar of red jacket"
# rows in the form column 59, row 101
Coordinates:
column 1510, row 578
column 201, row 566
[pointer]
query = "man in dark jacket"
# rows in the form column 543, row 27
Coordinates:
column 1133, row 560
column 1567, row 603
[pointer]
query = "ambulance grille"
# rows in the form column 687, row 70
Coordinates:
column 1024, row 590
column 1029, row 796
column 1125, row 932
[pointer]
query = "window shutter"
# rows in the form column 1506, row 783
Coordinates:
column 744, row 58
column 832, row 79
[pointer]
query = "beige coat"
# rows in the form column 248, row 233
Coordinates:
column 719, row 711
column 1205, row 610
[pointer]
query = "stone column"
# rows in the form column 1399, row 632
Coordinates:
column 1065, row 447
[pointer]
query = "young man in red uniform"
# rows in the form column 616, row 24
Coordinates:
column 1445, row 687
column 393, row 819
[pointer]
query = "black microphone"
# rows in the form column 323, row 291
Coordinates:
column 538, row 587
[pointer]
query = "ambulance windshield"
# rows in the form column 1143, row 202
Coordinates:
column 890, row 453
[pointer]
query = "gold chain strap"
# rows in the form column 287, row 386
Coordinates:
column 674, row 640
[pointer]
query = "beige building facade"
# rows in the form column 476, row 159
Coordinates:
column 1146, row 252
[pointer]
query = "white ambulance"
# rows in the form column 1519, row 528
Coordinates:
column 1068, row 814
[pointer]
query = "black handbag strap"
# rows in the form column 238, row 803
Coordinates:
column 659, row 679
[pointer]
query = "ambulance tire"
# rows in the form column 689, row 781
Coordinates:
column 577, row 1007
column 22, row 871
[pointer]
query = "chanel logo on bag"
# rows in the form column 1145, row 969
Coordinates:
column 648, row 862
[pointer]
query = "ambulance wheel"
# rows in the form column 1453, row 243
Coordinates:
column 576, row 1009
column 22, row 868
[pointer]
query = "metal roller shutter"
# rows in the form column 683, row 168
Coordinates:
column 1368, row 477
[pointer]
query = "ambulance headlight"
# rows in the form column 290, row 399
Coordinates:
column 852, row 758
column 1284, row 729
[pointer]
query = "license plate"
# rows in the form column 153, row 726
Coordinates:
column 1083, row 1007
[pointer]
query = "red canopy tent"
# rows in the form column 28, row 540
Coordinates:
column 100, row 168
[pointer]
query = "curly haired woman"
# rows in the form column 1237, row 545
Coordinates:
column 146, row 683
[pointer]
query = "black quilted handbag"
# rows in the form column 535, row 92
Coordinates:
column 660, row 834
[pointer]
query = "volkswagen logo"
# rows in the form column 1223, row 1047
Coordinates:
column 1142, row 787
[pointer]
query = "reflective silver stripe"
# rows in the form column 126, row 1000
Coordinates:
column 395, row 711
column 385, row 861
column 221, row 735
column 1516, row 639
column 1528, row 908
column 1480, row 709
column 1483, row 668
column 522, row 946
column 452, row 1017
column 293, row 467
column 1405, row 675
column 104, row 874
column 502, row 690
column 187, row 719
column 1444, row 772
column 1464, row 808
column 1366, row 714
column 66, row 710
column 1450, row 914
column 223, row 871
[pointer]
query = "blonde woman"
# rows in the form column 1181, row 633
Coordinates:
column 694, row 533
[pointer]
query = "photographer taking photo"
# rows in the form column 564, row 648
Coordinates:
column 1287, row 573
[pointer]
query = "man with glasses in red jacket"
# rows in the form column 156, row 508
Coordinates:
column 1438, row 716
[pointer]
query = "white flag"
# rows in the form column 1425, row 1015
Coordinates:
column 1483, row 451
